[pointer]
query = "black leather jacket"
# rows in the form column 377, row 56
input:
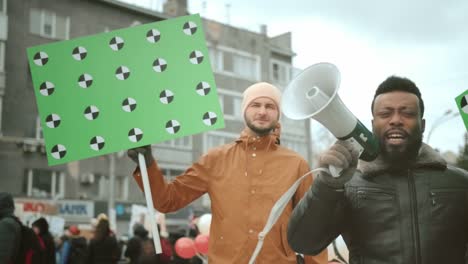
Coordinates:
column 414, row 216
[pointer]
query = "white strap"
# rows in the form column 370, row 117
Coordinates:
column 277, row 210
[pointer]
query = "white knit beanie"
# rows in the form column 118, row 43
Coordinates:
column 258, row 90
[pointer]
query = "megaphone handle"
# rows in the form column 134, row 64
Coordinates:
column 335, row 171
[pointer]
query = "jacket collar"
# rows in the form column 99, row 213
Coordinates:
column 427, row 158
column 270, row 141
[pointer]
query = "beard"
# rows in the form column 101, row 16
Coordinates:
column 400, row 157
column 261, row 131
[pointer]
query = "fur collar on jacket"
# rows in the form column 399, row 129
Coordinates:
column 427, row 157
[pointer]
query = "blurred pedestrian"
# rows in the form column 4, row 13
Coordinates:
column 140, row 248
column 41, row 228
column 18, row 243
column 10, row 229
column 103, row 247
column 74, row 247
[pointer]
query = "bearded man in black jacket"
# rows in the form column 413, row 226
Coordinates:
column 406, row 207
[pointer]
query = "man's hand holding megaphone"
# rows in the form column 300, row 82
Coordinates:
column 341, row 160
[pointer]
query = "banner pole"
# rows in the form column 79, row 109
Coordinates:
column 149, row 203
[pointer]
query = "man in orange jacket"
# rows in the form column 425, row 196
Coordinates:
column 244, row 179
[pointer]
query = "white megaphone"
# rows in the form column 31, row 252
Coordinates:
column 313, row 94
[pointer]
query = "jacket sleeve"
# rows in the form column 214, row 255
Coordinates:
column 305, row 184
column 317, row 219
column 171, row 196
column 322, row 257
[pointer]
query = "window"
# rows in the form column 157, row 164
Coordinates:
column 280, row 72
column 3, row 6
column 246, row 66
column 2, row 56
column 296, row 145
column 2, row 78
column 235, row 62
column 217, row 138
column 181, row 143
column 43, row 183
column 48, row 24
column 296, row 127
column 38, row 134
column 121, row 188
column 96, row 186
column 1, row 109
column 231, row 103
column 228, row 61
column 214, row 58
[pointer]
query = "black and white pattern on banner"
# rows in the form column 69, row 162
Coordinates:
column 464, row 104
column 129, row 104
column 41, row 58
column 135, row 134
column 196, row 57
column 153, row 36
column 210, row 118
column 53, row 120
column 159, row 65
column 166, row 96
column 172, row 126
column 58, row 151
column 79, row 53
column 190, row 28
column 85, row 80
column 91, row 112
column 116, row 43
column 203, row 88
column 97, row 143
column 47, row 88
column 122, row 73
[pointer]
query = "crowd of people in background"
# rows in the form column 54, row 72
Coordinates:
column 36, row 245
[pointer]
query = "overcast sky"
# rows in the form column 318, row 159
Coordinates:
column 423, row 40
column 426, row 41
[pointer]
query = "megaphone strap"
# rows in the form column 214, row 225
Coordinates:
column 278, row 209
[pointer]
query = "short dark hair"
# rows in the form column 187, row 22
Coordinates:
column 395, row 83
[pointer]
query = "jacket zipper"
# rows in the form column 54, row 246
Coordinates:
column 414, row 218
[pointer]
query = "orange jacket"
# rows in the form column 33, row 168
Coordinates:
column 244, row 179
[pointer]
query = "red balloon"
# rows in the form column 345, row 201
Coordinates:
column 201, row 243
column 185, row 248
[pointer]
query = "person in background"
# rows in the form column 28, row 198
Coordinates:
column 103, row 247
column 407, row 206
column 41, row 228
column 244, row 179
column 10, row 229
column 134, row 245
column 140, row 248
column 74, row 247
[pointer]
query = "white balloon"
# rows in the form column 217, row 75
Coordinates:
column 204, row 224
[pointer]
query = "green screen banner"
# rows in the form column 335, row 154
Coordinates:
column 462, row 103
column 124, row 89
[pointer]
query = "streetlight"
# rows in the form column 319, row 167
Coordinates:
column 448, row 114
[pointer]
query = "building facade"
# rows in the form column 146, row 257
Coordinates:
column 239, row 58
